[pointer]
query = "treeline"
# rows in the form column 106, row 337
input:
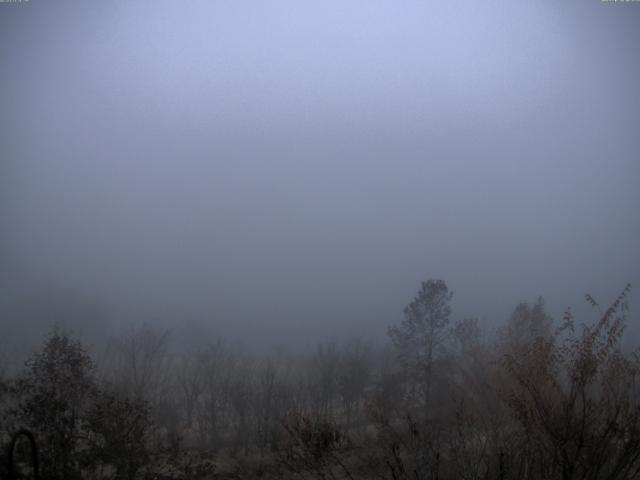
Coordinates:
column 539, row 400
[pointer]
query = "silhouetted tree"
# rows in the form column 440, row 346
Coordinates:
column 526, row 324
column 423, row 332
column 58, row 390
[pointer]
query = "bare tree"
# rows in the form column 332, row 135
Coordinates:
column 217, row 366
column 190, row 376
column 353, row 377
column 322, row 378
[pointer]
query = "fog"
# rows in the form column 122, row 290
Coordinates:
column 284, row 172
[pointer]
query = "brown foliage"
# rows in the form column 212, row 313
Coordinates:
column 574, row 395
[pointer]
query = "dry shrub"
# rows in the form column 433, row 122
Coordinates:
column 575, row 397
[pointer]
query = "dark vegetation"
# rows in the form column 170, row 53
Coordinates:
column 539, row 400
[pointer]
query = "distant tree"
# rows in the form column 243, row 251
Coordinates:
column 423, row 332
column 190, row 378
column 218, row 364
column 323, row 378
column 269, row 406
column 353, row 376
column 526, row 324
column 240, row 394
column 3, row 366
column 466, row 334
column 138, row 363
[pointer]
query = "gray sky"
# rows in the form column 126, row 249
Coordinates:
column 291, row 170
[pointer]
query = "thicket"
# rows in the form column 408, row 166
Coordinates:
column 539, row 400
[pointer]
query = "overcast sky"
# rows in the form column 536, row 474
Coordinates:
column 291, row 170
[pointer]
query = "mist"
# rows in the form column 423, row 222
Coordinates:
column 284, row 172
column 335, row 240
